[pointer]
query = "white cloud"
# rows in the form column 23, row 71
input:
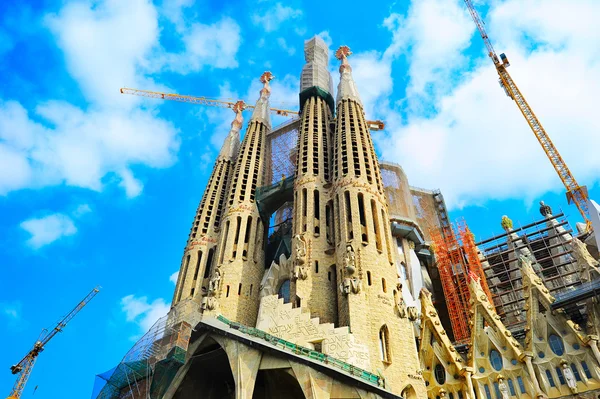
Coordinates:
column 272, row 19
column 213, row 45
column 12, row 310
column 173, row 277
column 476, row 145
column 326, row 38
column 133, row 187
column 107, row 44
column 140, row 311
column 285, row 47
column 81, row 147
column 48, row 229
column 432, row 36
column 81, row 210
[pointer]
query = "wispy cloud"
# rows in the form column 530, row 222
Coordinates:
column 273, row 17
column 48, row 229
column 11, row 313
column 173, row 277
column 142, row 312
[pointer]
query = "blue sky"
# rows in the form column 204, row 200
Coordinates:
column 100, row 188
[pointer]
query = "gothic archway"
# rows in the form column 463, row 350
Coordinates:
column 209, row 374
column 272, row 384
column 409, row 392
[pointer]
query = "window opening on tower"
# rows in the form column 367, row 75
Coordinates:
column 376, row 225
column 238, row 223
column 225, row 235
column 209, row 260
column 247, row 237
column 348, row 216
column 362, row 218
column 317, row 212
column 304, row 207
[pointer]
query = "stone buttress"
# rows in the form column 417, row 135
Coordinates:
column 314, row 277
column 367, row 290
column 200, row 249
column 233, row 289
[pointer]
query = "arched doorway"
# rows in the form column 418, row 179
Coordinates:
column 409, row 392
column 209, row 374
column 272, row 384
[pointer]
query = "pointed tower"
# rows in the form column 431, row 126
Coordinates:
column 201, row 245
column 234, row 284
column 314, row 282
column 366, row 274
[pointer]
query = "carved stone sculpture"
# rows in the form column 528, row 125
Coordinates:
column 300, row 271
column 214, row 282
column 349, row 260
column 355, row 285
column 588, row 266
column 401, row 306
column 503, row 388
column 569, row 377
column 413, row 313
column 345, row 286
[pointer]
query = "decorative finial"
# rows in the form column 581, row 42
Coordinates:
column 506, row 223
column 342, row 52
column 266, row 77
column 239, row 106
column 545, row 210
column 261, row 109
column 473, row 277
column 346, row 88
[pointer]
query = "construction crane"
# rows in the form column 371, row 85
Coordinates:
column 23, row 368
column 575, row 193
column 373, row 125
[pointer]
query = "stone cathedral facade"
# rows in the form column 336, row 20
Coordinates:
column 342, row 306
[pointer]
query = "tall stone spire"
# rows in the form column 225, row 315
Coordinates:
column 200, row 249
column 313, row 283
column 346, row 88
column 233, row 289
column 367, row 277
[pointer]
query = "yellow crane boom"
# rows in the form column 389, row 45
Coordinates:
column 24, row 367
column 575, row 193
column 373, row 125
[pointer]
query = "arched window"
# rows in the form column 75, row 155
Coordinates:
column 384, row 345
column 511, row 387
column 586, row 370
column 556, row 344
column 488, row 395
column 440, row 374
column 560, row 375
column 550, row 379
column 521, row 385
column 284, row 291
column 496, row 359
column 575, row 371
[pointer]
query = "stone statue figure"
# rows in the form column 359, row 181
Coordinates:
column 355, row 285
column 569, row 377
column 349, row 260
column 588, row 266
column 300, row 258
column 413, row 313
column 503, row 388
column 300, row 249
column 214, row 282
column 401, row 306
column 345, row 286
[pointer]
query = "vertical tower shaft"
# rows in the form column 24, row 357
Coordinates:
column 201, row 245
column 314, row 284
column 367, row 276
column 234, row 286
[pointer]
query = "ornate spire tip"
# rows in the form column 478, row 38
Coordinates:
column 342, row 52
column 266, row 77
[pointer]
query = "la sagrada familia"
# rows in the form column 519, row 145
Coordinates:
column 341, row 305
